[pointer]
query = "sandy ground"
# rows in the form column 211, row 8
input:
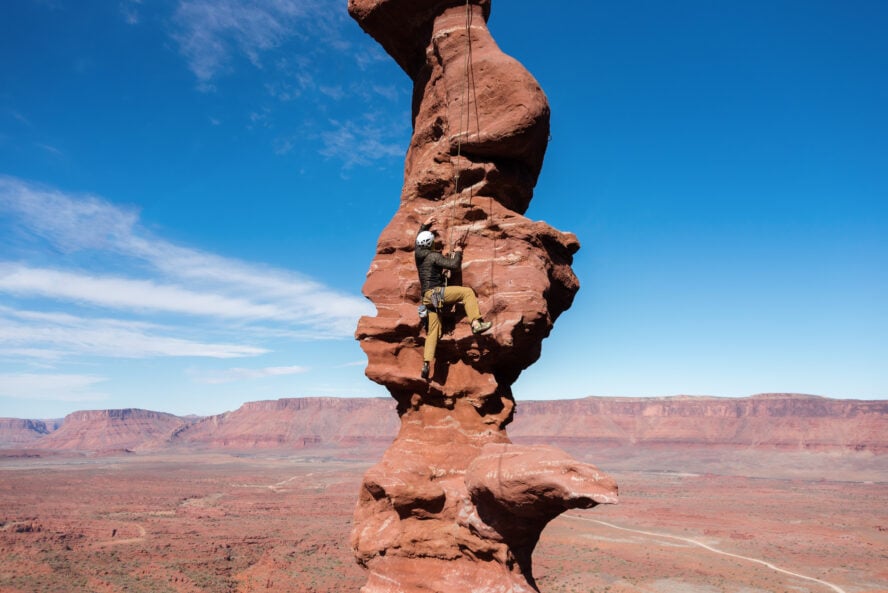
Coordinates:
column 280, row 522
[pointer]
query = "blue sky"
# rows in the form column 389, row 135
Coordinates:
column 191, row 192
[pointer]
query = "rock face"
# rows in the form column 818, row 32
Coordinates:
column 454, row 505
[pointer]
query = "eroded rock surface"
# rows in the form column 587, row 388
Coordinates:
column 429, row 517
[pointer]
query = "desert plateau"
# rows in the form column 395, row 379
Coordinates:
column 696, row 515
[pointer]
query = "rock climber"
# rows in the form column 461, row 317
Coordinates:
column 432, row 266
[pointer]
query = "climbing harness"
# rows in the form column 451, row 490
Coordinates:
column 436, row 302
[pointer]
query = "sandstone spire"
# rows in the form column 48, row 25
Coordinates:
column 453, row 505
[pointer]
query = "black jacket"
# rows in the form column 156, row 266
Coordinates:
column 431, row 265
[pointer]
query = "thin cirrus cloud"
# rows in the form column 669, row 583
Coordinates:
column 242, row 374
column 166, row 295
column 214, row 286
column 68, row 222
column 293, row 42
column 130, row 11
column 64, row 387
column 211, row 33
column 359, row 144
column 124, row 293
column 38, row 335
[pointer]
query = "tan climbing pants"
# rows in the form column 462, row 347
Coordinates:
column 452, row 295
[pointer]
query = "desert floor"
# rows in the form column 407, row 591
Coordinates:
column 710, row 522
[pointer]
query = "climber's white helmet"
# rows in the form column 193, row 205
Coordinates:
column 425, row 239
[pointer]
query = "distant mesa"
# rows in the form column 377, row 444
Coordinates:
column 789, row 422
column 102, row 430
column 292, row 422
column 15, row 431
column 776, row 420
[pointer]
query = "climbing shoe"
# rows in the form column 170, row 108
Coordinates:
column 479, row 327
column 425, row 370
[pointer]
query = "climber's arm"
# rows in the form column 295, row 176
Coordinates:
column 448, row 262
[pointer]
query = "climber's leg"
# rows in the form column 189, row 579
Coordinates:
column 466, row 296
column 432, row 335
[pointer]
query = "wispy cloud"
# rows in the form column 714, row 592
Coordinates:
column 211, row 33
column 69, row 222
column 19, row 118
column 58, row 387
column 298, row 49
column 125, row 293
column 147, row 290
column 52, row 336
column 130, row 11
column 359, row 142
column 50, row 149
column 243, row 374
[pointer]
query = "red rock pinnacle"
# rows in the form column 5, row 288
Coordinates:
column 453, row 505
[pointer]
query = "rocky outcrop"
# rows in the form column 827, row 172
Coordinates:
column 473, row 161
column 293, row 423
column 453, row 505
column 103, row 430
column 15, row 432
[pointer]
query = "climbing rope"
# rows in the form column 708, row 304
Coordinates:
column 468, row 100
column 464, row 129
